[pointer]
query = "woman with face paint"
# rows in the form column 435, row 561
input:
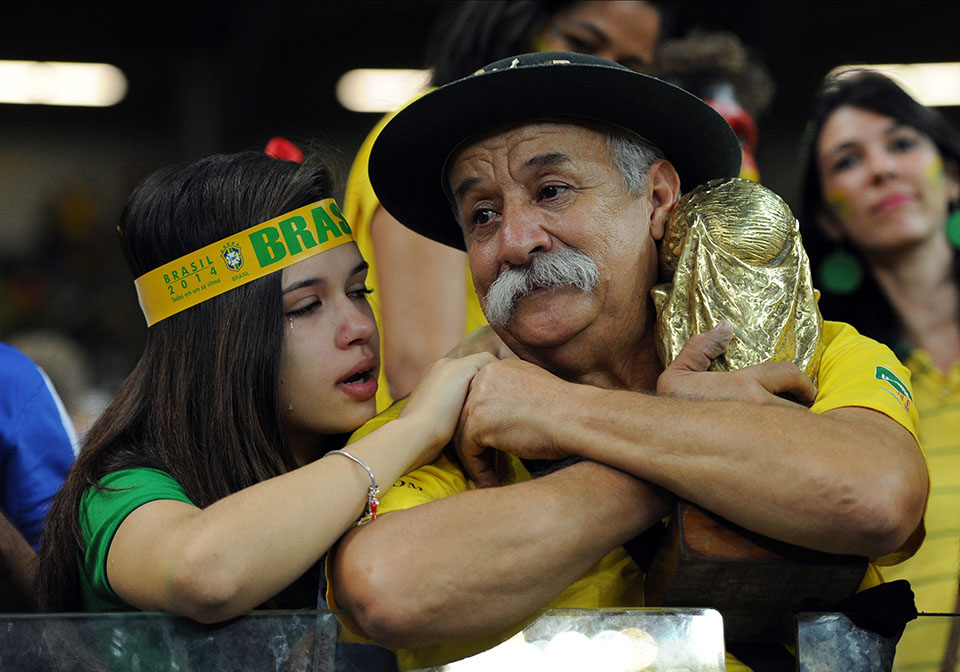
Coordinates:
column 213, row 483
column 881, row 216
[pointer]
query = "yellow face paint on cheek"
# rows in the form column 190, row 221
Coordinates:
column 934, row 174
column 839, row 203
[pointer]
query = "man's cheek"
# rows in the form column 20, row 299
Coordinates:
column 481, row 279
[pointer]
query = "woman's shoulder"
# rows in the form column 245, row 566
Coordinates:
column 136, row 476
column 121, row 491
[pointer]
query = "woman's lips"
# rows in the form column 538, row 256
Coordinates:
column 361, row 382
column 361, row 386
column 891, row 202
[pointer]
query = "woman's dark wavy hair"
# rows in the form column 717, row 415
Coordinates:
column 476, row 33
column 866, row 308
column 202, row 402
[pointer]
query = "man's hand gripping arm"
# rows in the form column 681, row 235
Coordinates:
column 849, row 481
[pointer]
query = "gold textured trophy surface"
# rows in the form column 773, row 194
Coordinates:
column 732, row 250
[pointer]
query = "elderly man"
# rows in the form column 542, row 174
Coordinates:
column 560, row 170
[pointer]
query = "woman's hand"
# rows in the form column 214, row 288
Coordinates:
column 481, row 339
column 436, row 401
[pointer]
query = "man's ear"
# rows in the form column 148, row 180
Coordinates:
column 663, row 190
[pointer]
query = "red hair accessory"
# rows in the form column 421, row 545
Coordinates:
column 284, row 150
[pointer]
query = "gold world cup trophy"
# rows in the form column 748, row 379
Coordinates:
column 732, row 250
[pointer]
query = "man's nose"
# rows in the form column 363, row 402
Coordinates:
column 522, row 233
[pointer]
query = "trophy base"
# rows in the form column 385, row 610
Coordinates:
column 758, row 584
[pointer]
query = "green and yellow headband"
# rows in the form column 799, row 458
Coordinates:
column 241, row 258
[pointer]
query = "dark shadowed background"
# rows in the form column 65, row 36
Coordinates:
column 208, row 77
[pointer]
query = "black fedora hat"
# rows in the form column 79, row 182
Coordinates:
column 407, row 159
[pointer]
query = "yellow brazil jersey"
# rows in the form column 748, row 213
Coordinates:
column 854, row 371
column 360, row 204
column 615, row 581
column 934, row 571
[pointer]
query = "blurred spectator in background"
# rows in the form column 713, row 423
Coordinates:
column 65, row 301
column 37, row 447
column 881, row 222
column 717, row 67
column 67, row 365
column 37, row 439
column 424, row 297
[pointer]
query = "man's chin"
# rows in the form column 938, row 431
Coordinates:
column 541, row 330
column 529, row 342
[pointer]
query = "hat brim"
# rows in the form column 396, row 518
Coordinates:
column 407, row 159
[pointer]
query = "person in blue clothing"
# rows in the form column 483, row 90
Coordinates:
column 37, row 442
column 37, row 447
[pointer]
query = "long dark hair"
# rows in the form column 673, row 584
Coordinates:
column 202, row 402
column 475, row 33
column 866, row 308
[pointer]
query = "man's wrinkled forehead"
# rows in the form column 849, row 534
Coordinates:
column 534, row 129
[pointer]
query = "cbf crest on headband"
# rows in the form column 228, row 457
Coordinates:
column 232, row 256
column 243, row 257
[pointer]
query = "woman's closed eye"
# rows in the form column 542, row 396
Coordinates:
column 578, row 44
column 304, row 310
column 359, row 292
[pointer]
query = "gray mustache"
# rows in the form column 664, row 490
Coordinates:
column 568, row 267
